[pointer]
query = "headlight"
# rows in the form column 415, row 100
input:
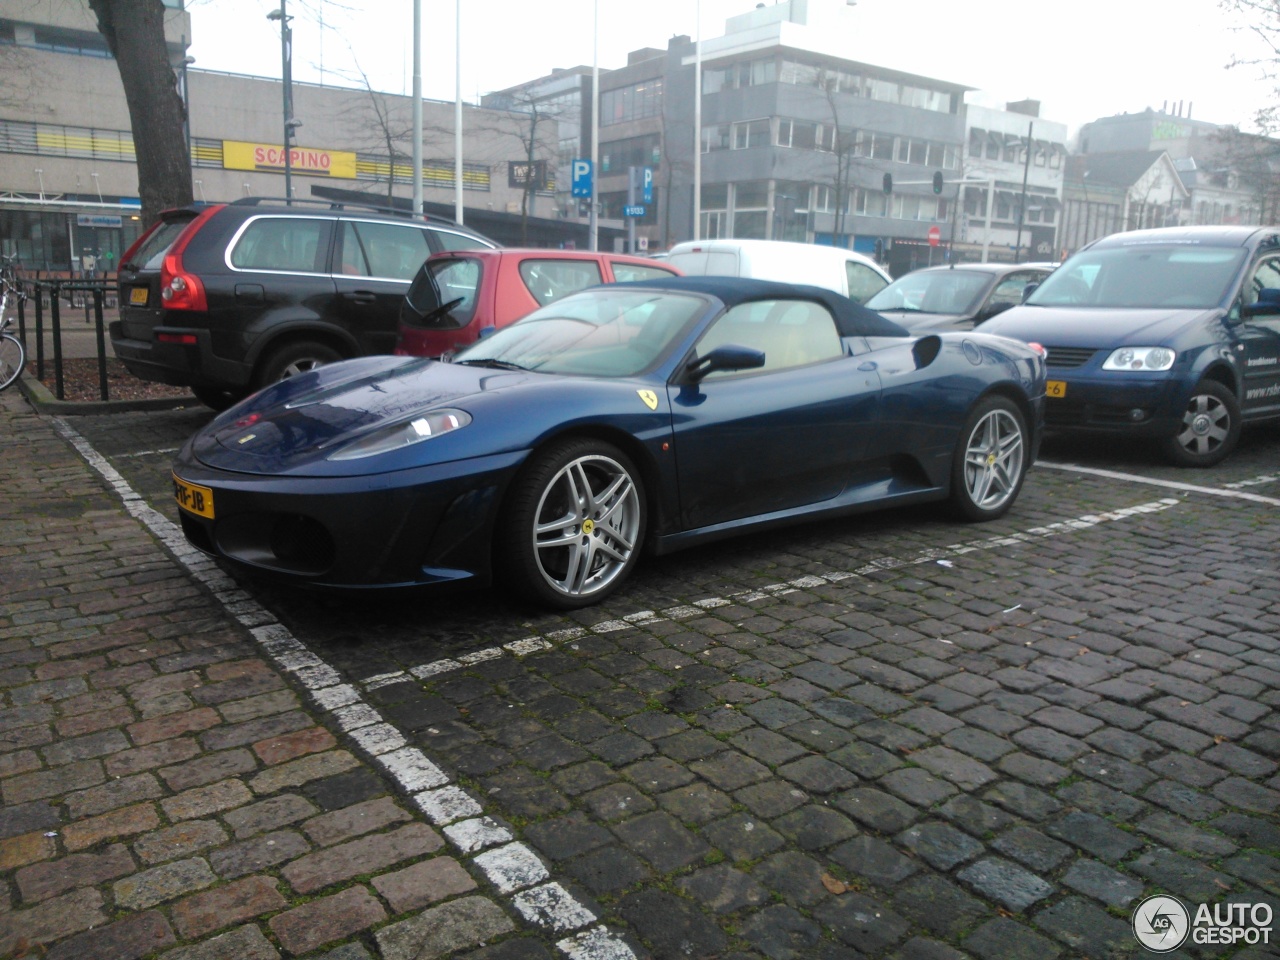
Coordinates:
column 398, row 435
column 1140, row 358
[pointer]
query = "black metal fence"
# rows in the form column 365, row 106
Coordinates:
column 50, row 294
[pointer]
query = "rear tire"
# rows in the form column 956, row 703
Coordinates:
column 12, row 359
column 1210, row 427
column 294, row 358
column 572, row 528
column 990, row 461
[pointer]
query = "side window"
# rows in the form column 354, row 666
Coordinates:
column 290, row 244
column 864, row 283
column 550, row 280
column 448, row 240
column 1266, row 275
column 630, row 272
column 456, row 280
column 790, row 333
column 350, row 256
column 1009, row 290
column 391, row 251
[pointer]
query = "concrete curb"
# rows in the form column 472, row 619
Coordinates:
column 39, row 396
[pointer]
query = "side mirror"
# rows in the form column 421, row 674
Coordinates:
column 486, row 332
column 991, row 311
column 1267, row 304
column 1028, row 290
column 729, row 357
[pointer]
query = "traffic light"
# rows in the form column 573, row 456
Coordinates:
column 888, row 183
column 937, row 181
column 880, row 247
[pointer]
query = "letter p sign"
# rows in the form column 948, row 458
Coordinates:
column 581, row 179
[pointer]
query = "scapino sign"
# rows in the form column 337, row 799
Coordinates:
column 237, row 155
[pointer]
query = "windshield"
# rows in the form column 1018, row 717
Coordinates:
column 941, row 291
column 1143, row 275
column 601, row 332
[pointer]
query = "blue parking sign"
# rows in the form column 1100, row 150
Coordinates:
column 581, row 179
column 647, row 183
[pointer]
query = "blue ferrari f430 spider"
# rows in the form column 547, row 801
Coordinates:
column 654, row 415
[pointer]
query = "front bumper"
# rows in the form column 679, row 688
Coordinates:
column 1117, row 403
column 427, row 525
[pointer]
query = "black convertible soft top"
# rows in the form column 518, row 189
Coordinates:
column 852, row 320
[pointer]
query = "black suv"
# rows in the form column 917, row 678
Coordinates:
column 227, row 298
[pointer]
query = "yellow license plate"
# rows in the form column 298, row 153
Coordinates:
column 193, row 498
column 1055, row 388
column 138, row 296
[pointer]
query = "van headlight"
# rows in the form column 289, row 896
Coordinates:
column 1140, row 358
column 426, row 427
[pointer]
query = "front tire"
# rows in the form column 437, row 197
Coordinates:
column 295, row 358
column 990, row 461
column 12, row 359
column 217, row 399
column 572, row 529
column 1210, row 427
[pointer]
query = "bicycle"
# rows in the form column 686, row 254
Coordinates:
column 12, row 354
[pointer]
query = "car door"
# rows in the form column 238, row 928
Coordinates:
column 1007, row 293
column 373, row 264
column 863, row 282
column 1258, row 347
column 787, row 435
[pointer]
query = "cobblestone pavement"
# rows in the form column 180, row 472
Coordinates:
column 893, row 736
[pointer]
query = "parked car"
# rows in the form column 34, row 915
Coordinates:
column 834, row 268
column 956, row 297
column 226, row 299
column 662, row 414
column 1171, row 334
column 454, row 296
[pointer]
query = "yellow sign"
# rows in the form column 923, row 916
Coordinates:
column 308, row 161
column 650, row 398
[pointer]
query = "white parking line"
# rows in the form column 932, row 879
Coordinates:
column 1154, row 482
column 1254, row 481
column 936, row 554
column 511, row 866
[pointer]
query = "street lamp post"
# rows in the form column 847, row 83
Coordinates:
column 286, row 75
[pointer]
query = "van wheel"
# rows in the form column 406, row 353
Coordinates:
column 294, row 358
column 1210, row 427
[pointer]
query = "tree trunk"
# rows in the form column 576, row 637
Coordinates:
column 134, row 31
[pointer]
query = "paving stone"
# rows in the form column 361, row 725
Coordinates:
column 1002, row 939
column 939, row 844
column 1006, row 883
column 360, row 818
column 365, row 855
column 1260, row 869
column 877, row 810
column 1023, row 800
column 1086, row 929
column 767, row 746
column 50, row 920
column 865, row 759
column 51, row 878
column 862, row 922
column 730, row 770
column 303, row 770
column 179, row 841
column 1032, row 848
column 617, row 801
column 233, row 903
column 722, row 889
column 327, row 919
column 266, row 815
column 119, row 823
column 128, row 939
column 51, row 783
column 743, row 837
column 243, row 943
column 815, row 827
column 1180, row 835
column 671, row 925
column 1105, row 802
column 695, row 804
column 873, row 859
column 974, row 816
column 1246, row 795
column 259, row 853
column 568, row 836
column 208, row 769
column 662, row 841
column 1182, row 800
column 781, row 933
column 28, row 848
column 1099, row 881
column 423, row 883
column 173, row 725
column 153, row 755
column 939, row 905
column 818, row 775
column 1094, row 835
column 159, row 884
column 201, row 801
column 607, row 870
column 111, row 795
column 1181, row 875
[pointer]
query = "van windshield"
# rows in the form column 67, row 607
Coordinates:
column 1156, row 275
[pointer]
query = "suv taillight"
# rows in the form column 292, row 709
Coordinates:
column 180, row 290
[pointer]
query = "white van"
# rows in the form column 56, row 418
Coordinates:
column 857, row 277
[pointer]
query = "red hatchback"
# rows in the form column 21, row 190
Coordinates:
column 457, row 295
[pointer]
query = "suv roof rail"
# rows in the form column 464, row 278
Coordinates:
column 342, row 205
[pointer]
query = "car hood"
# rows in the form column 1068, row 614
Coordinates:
column 1095, row 327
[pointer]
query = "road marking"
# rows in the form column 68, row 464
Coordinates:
column 149, row 453
column 1169, row 484
column 510, row 865
column 1254, row 481
column 643, row 617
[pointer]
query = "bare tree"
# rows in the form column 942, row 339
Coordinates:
column 379, row 123
column 534, row 121
column 134, row 31
column 1261, row 18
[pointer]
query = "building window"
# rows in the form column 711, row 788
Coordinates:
column 635, row 102
column 751, row 133
column 617, row 155
column 748, row 73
